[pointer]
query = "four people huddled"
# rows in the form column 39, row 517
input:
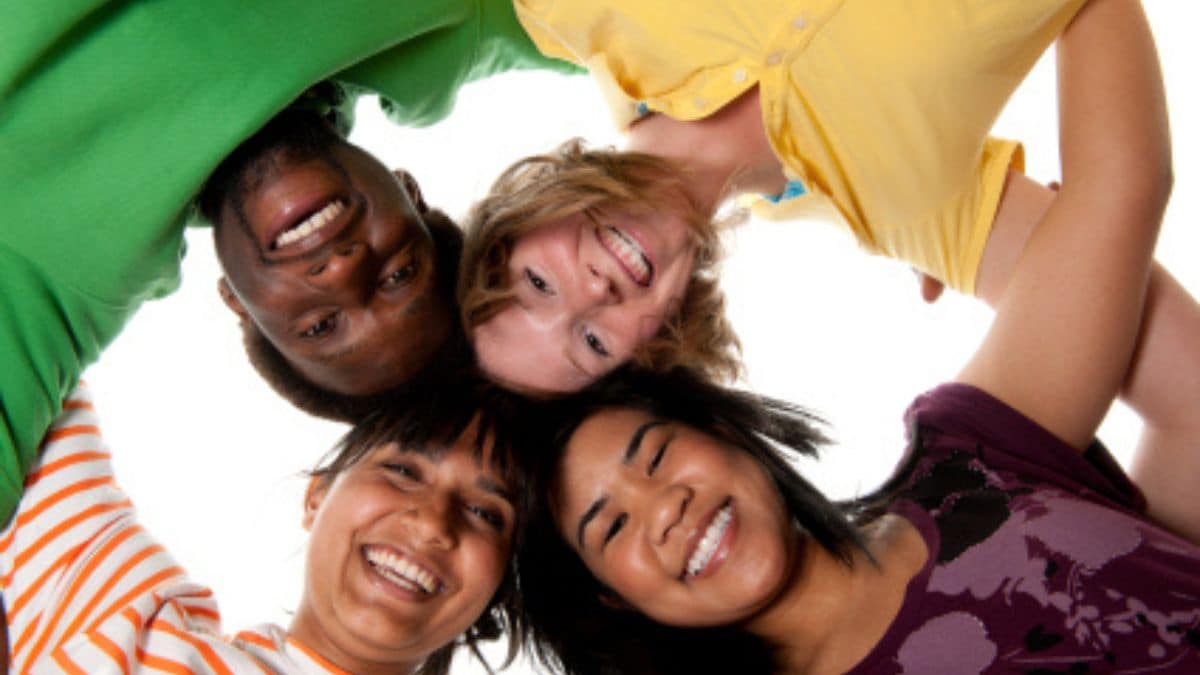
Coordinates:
column 545, row 441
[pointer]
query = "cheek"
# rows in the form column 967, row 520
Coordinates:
column 484, row 564
column 633, row 575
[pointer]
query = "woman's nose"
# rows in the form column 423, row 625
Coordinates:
column 431, row 523
column 599, row 287
column 667, row 509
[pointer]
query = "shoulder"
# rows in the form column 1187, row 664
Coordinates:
column 959, row 424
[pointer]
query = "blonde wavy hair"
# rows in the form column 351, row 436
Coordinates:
column 571, row 179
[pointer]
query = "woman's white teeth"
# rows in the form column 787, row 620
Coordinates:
column 312, row 223
column 401, row 571
column 632, row 258
column 708, row 544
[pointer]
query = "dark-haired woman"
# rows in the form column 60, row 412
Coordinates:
column 411, row 525
column 677, row 538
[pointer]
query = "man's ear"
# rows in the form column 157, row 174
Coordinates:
column 231, row 300
column 314, row 496
column 413, row 190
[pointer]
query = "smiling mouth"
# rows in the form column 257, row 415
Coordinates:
column 402, row 570
column 629, row 253
column 708, row 544
column 313, row 223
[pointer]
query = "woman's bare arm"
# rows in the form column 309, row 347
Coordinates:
column 1067, row 323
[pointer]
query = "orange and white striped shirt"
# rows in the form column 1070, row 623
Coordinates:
column 88, row 590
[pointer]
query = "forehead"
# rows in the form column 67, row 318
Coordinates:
column 609, row 423
column 473, row 453
column 602, row 439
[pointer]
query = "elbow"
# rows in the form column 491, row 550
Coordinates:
column 1155, row 190
column 1146, row 188
column 1166, row 182
column 1158, row 174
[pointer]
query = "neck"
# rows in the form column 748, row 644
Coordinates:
column 830, row 616
column 724, row 154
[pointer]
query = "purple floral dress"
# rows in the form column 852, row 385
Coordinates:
column 1040, row 558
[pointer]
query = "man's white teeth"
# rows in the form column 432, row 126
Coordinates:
column 708, row 544
column 312, row 223
column 401, row 571
column 632, row 258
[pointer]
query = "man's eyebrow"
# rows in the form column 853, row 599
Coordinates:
column 635, row 441
column 590, row 515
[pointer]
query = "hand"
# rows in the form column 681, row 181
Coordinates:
column 931, row 288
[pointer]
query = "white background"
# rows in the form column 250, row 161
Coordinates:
column 213, row 459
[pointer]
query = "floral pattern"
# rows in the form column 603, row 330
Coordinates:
column 1035, row 573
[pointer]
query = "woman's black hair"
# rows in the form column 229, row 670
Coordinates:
column 573, row 625
column 428, row 420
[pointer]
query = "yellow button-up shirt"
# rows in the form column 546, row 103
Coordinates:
column 881, row 106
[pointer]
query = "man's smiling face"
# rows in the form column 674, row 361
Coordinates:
column 328, row 255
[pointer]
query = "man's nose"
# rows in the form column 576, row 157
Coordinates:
column 347, row 267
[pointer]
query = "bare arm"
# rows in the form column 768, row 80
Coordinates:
column 1068, row 320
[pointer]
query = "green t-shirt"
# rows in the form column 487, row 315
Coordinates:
column 113, row 113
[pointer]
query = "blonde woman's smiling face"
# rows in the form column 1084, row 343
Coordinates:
column 683, row 527
column 407, row 549
column 588, row 291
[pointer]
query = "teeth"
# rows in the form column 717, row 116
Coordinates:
column 708, row 544
column 311, row 224
column 401, row 571
column 632, row 258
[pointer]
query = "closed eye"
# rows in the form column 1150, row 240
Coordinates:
column 614, row 528
column 406, row 471
column 492, row 517
column 658, row 456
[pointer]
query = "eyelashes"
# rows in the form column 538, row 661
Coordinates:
column 537, row 282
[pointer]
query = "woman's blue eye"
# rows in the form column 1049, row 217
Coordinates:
column 321, row 327
column 539, row 284
column 594, row 343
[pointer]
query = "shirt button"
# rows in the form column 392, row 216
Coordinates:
column 799, row 23
column 698, row 102
column 775, row 59
column 739, row 75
